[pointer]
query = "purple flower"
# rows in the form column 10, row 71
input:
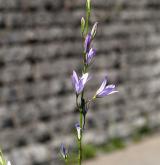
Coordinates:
column 90, row 55
column 78, row 128
column 87, row 42
column 105, row 90
column 79, row 83
column 63, row 151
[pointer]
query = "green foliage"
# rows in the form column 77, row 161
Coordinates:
column 141, row 132
column 72, row 159
column 89, row 151
column 113, row 144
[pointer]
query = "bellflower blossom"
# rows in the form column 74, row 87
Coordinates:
column 87, row 42
column 79, row 83
column 78, row 128
column 105, row 89
column 90, row 55
column 63, row 151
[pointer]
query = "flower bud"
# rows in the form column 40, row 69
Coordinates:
column 94, row 30
column 82, row 25
column 87, row 43
column 90, row 55
column 63, row 151
column 78, row 128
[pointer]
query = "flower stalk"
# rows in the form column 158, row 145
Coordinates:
column 88, row 12
column 80, row 140
column 79, row 82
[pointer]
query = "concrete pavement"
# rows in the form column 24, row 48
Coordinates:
column 146, row 152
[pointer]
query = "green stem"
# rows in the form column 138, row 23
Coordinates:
column 66, row 162
column 85, row 67
column 81, row 122
column 80, row 140
column 87, row 20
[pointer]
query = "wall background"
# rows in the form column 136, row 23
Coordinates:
column 40, row 45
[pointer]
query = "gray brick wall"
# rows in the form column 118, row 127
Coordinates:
column 40, row 45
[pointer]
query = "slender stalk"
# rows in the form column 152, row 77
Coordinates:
column 87, row 22
column 66, row 162
column 81, row 109
column 80, row 141
column 87, row 19
column 81, row 120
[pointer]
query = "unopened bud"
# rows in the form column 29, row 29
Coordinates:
column 82, row 25
column 94, row 30
column 78, row 128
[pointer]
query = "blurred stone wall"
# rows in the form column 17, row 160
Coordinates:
column 40, row 45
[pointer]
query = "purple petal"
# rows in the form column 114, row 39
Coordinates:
column 63, row 151
column 77, row 125
column 102, row 87
column 84, row 78
column 75, row 82
column 79, row 86
column 87, row 42
column 74, row 77
column 110, row 89
column 90, row 55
